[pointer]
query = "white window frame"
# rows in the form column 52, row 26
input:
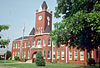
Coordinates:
column 44, row 54
column 28, row 43
column 58, row 54
column 62, row 54
column 19, row 45
column 92, row 54
column 44, row 42
column 54, row 54
column 33, row 43
column 16, row 45
column 49, row 41
column 53, row 44
column 75, row 55
column 25, row 44
column 41, row 29
column 81, row 55
column 39, row 43
column 70, row 54
column 28, row 54
column 49, row 54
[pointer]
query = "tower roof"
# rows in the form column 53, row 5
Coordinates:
column 44, row 5
column 32, row 31
column 47, row 30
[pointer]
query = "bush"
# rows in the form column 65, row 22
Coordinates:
column 90, row 61
column 8, row 55
column 16, row 58
column 39, row 59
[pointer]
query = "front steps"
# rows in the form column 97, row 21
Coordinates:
column 29, row 61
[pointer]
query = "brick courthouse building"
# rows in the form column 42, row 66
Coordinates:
column 39, row 40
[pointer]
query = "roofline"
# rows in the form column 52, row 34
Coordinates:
column 39, row 34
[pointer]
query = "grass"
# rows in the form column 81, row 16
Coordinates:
column 50, row 65
column 8, row 61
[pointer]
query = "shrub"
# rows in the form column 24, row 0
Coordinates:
column 39, row 59
column 90, row 61
column 16, row 58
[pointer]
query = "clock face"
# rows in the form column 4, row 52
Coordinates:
column 40, row 18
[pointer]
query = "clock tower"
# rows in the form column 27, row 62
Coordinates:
column 43, row 22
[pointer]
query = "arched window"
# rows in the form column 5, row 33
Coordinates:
column 39, row 42
column 49, row 42
column 33, row 43
column 70, row 55
column 44, row 42
column 75, row 55
column 29, row 43
column 81, row 55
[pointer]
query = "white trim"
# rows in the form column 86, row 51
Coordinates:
column 62, row 54
column 81, row 53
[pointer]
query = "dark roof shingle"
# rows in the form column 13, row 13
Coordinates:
column 44, row 5
column 20, row 38
column 32, row 31
column 47, row 30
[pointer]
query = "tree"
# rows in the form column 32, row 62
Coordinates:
column 80, row 25
column 3, row 42
column 39, row 59
column 8, row 54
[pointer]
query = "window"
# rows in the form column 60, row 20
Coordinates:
column 88, row 54
column 18, row 53
column 41, row 29
column 62, row 54
column 44, row 53
column 70, row 55
column 75, row 55
column 91, row 54
column 58, row 54
column 81, row 55
column 53, row 44
column 53, row 54
column 14, row 45
column 37, row 30
column 28, row 43
column 25, row 44
column 28, row 54
column 33, row 43
column 48, row 42
column 48, row 54
column 39, row 42
column 19, row 45
column 44, row 42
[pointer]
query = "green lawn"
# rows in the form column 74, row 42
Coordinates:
column 8, row 61
column 50, row 65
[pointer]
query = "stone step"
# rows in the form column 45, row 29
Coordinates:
column 29, row 61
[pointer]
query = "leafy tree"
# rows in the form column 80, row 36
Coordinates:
column 39, row 59
column 3, row 42
column 80, row 25
column 8, row 54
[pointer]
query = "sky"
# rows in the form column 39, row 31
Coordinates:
column 16, row 13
